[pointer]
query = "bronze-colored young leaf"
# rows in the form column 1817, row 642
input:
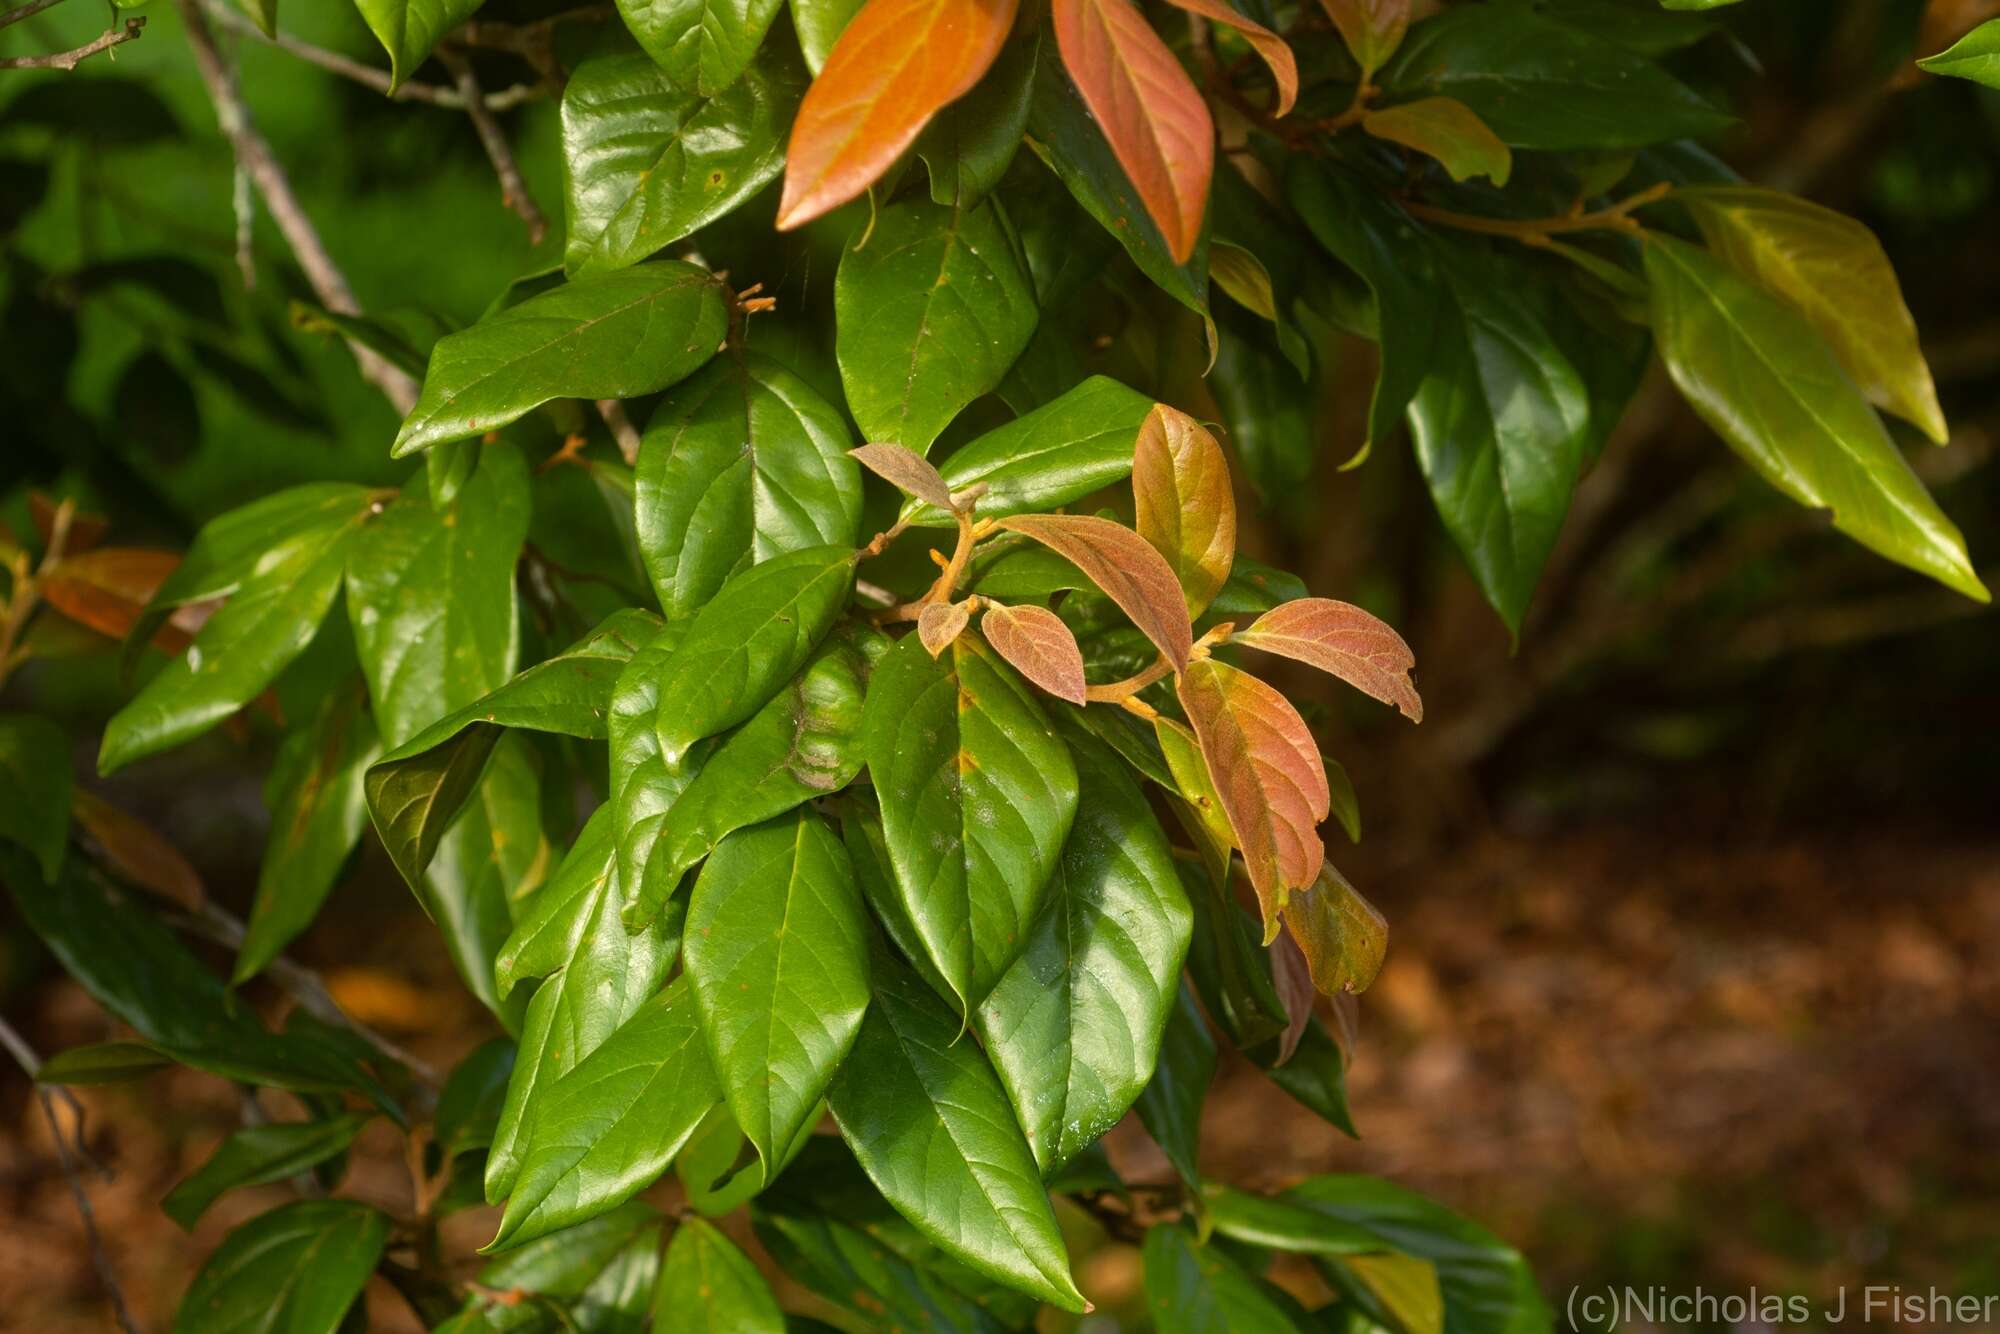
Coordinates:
column 1148, row 108
column 906, row 470
column 1448, row 130
column 107, row 588
column 135, row 852
column 1268, row 45
column 941, row 622
column 1291, row 978
column 1372, row 29
column 1267, row 774
column 1126, row 567
column 1180, row 485
column 1341, row 934
column 1344, row 641
column 896, row 63
column 1037, row 644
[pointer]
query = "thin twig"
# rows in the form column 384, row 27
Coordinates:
column 1536, row 231
column 27, row 11
column 622, row 429
column 513, row 189
column 255, row 156
column 68, row 60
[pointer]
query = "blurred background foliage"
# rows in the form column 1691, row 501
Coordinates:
column 1695, row 892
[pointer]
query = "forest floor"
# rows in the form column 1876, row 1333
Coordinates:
column 1643, row 1060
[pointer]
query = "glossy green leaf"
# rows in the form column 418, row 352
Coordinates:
column 932, row 306
column 296, row 1269
column 1281, row 1224
column 876, row 1283
column 1060, row 452
column 1170, row 1105
column 430, row 595
column 719, row 1170
column 1763, row 379
column 928, row 1120
column 1073, row 1028
column 1975, row 56
column 490, row 862
column 567, row 1264
column 742, row 462
column 819, row 24
column 35, row 788
column 644, row 787
column 606, row 1129
column 102, row 1063
column 1540, row 83
column 748, row 641
column 977, row 798
column 1193, row 1289
column 408, row 29
column 648, row 160
column 1012, row 570
column 608, row 335
column 416, row 790
column 710, row 1287
column 969, row 145
column 777, row 954
column 258, row 1154
column 317, row 815
column 703, row 45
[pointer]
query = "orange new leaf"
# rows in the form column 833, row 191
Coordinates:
column 1040, row 647
column 1341, row 934
column 1372, row 29
column 1149, row 110
column 1180, row 483
column 1341, row 639
column 896, row 64
column 1267, row 44
column 1267, row 773
column 906, row 470
column 941, row 622
column 107, row 588
column 1126, row 567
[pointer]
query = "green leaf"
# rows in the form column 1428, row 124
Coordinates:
column 1228, row 966
column 741, row 463
column 1073, row 1028
column 1763, row 379
column 1060, row 452
column 102, row 1063
column 1017, row 570
column 777, row 954
column 35, row 788
column 1834, row 270
column 932, row 306
column 928, row 1120
column 317, row 815
column 297, row 1269
column 416, row 790
column 849, row 1266
column 609, row 1127
column 1281, row 1224
column 431, row 595
column 608, row 335
column 647, row 161
column 969, row 145
column 468, row 1107
column 1446, row 129
column 1315, row 1076
column 1975, row 56
column 271, row 615
column 408, row 29
column 1170, row 1105
column 819, row 24
column 977, row 798
column 747, row 642
column 644, row 787
column 259, row 1154
column 490, row 862
column 710, row 1287
column 567, row 1264
column 703, row 45
column 1193, row 1289
column 1539, row 83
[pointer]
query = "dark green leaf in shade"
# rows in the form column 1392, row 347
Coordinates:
column 1193, row 1288
column 317, row 815
column 1230, row 969
column 1272, row 415
column 297, row 1269
column 977, row 797
column 259, row 1154
column 719, row 1170
column 1975, row 56
column 647, row 162
column 1315, row 1075
column 408, row 29
column 568, row 1264
column 1063, row 451
column 430, row 595
column 708, row 1286
column 468, row 1107
column 703, row 45
column 1540, row 83
column 608, row 335
column 742, row 462
column 1758, row 373
column 375, row 335
column 876, row 1283
column 932, row 306
column 1170, row 1106
column 35, row 788
column 102, row 1063
column 969, row 145
column 928, row 1120
column 606, row 1129
column 1073, row 1028
column 491, row 861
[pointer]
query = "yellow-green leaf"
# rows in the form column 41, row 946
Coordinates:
column 1448, row 130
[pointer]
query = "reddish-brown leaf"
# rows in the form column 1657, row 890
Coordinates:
column 1342, row 639
column 1292, row 979
column 1341, row 935
column 1149, row 110
column 896, row 64
column 1126, row 567
column 1267, row 44
column 85, row 530
column 941, row 622
column 1372, row 29
column 1039, row 645
column 138, row 854
column 907, row 470
column 106, row 589
column 1180, row 483
column 1267, row 773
